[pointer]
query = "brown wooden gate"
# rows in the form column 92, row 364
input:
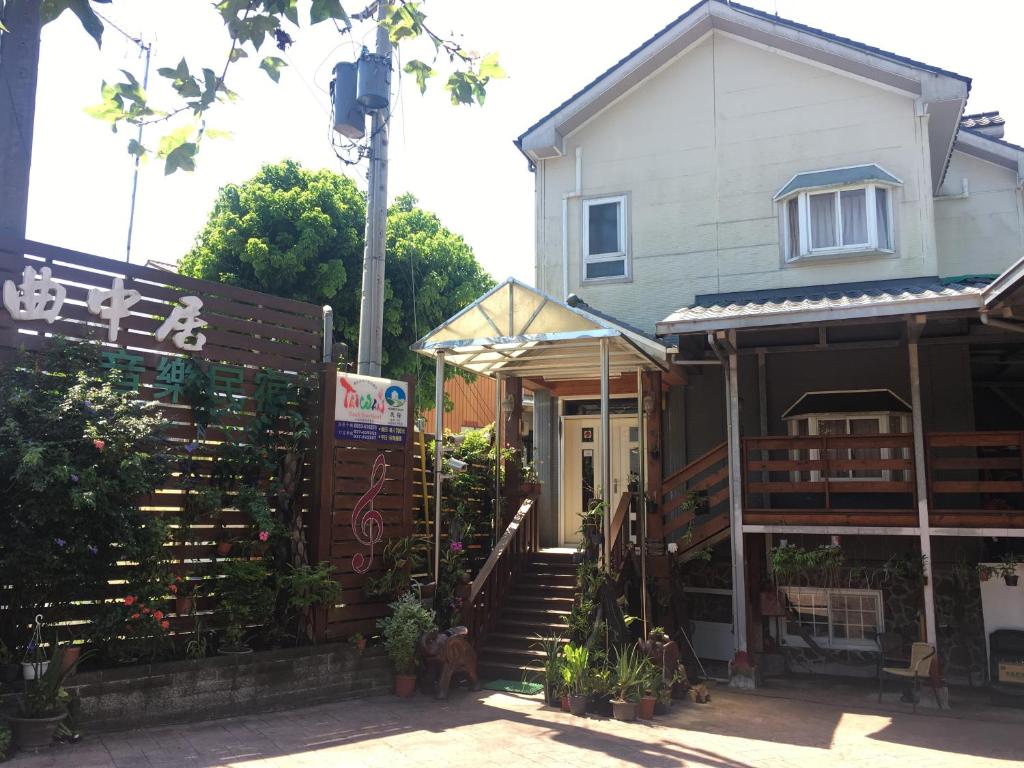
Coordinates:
column 366, row 500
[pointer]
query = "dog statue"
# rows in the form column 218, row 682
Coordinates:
column 446, row 653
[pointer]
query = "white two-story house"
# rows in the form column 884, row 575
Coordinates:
column 813, row 226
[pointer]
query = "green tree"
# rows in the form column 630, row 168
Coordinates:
column 297, row 233
column 249, row 26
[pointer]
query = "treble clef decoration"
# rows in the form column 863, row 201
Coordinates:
column 367, row 522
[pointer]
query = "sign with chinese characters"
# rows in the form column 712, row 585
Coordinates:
column 372, row 409
column 40, row 297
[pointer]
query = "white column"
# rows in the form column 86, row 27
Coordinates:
column 739, row 569
column 499, row 428
column 641, row 514
column 606, row 457
column 921, row 480
column 438, row 456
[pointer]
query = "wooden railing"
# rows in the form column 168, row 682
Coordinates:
column 840, row 479
column 976, row 479
column 503, row 565
column 694, row 500
column 620, row 530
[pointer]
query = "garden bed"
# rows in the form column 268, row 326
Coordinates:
column 221, row 686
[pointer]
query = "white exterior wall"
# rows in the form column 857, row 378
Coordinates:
column 984, row 232
column 701, row 148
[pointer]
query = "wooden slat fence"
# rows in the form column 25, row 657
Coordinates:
column 249, row 335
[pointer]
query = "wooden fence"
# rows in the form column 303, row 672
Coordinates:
column 146, row 320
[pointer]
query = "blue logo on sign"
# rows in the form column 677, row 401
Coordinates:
column 395, row 397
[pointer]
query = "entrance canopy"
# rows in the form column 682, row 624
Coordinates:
column 516, row 330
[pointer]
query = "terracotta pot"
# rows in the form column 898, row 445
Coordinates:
column 361, row 644
column 183, row 605
column 34, row 732
column 224, row 548
column 565, row 702
column 624, row 710
column 405, row 686
column 646, row 708
column 578, row 705
column 70, row 657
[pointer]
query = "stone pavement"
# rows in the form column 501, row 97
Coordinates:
column 736, row 730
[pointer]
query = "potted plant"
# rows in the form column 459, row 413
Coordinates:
column 358, row 641
column 408, row 621
column 577, row 674
column 43, row 706
column 70, row 655
column 185, row 591
column 529, row 484
column 628, row 676
column 1007, row 568
column 34, row 664
column 551, row 646
column 247, row 594
column 602, row 686
column 984, row 571
column 650, row 684
column 700, row 694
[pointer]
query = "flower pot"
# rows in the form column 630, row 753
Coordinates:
column 183, row 605
column 361, row 644
column 646, row 708
column 34, row 732
column 234, row 650
column 600, row 704
column 624, row 710
column 30, row 670
column 565, row 702
column 405, row 686
column 578, row 704
column 70, row 657
column 224, row 548
column 1011, row 581
column 661, row 708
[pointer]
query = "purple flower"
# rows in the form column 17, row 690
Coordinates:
column 88, row 405
column 191, row 447
column 60, row 543
column 93, row 550
column 75, row 479
column 456, row 546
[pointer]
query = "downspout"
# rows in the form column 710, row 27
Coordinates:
column 565, row 220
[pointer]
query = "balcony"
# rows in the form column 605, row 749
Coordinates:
column 974, row 480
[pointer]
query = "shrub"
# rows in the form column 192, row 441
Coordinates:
column 408, row 621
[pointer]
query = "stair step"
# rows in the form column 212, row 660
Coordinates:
column 552, row 577
column 504, row 670
column 540, row 600
column 521, row 588
column 525, row 640
column 538, row 626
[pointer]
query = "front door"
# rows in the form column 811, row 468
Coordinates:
column 581, row 465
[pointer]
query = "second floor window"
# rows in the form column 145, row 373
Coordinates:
column 605, row 250
column 838, row 212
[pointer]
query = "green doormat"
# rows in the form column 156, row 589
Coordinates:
column 511, row 686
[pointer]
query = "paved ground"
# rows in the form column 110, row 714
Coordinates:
column 736, row 730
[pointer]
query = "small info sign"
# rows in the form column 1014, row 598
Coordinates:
column 371, row 409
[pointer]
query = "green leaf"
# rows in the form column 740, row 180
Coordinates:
column 136, row 149
column 176, row 138
column 422, row 71
column 490, row 68
column 272, row 66
column 236, row 54
column 51, row 9
column 216, row 133
column 322, row 10
column 182, row 157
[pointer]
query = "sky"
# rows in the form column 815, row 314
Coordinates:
column 458, row 161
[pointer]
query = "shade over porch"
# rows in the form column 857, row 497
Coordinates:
column 515, row 330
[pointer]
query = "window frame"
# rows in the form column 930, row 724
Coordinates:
column 805, row 250
column 834, row 643
column 884, row 419
column 622, row 255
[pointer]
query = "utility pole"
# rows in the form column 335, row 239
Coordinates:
column 19, row 71
column 371, row 309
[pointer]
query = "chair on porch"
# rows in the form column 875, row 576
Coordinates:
column 890, row 652
column 921, row 655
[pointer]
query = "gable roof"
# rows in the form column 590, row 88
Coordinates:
column 835, row 177
column 517, row 329
column 944, row 91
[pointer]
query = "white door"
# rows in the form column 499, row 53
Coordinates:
column 581, row 467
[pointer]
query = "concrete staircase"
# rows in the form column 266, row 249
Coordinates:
column 538, row 602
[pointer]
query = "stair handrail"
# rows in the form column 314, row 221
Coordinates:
column 618, row 520
column 520, row 539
